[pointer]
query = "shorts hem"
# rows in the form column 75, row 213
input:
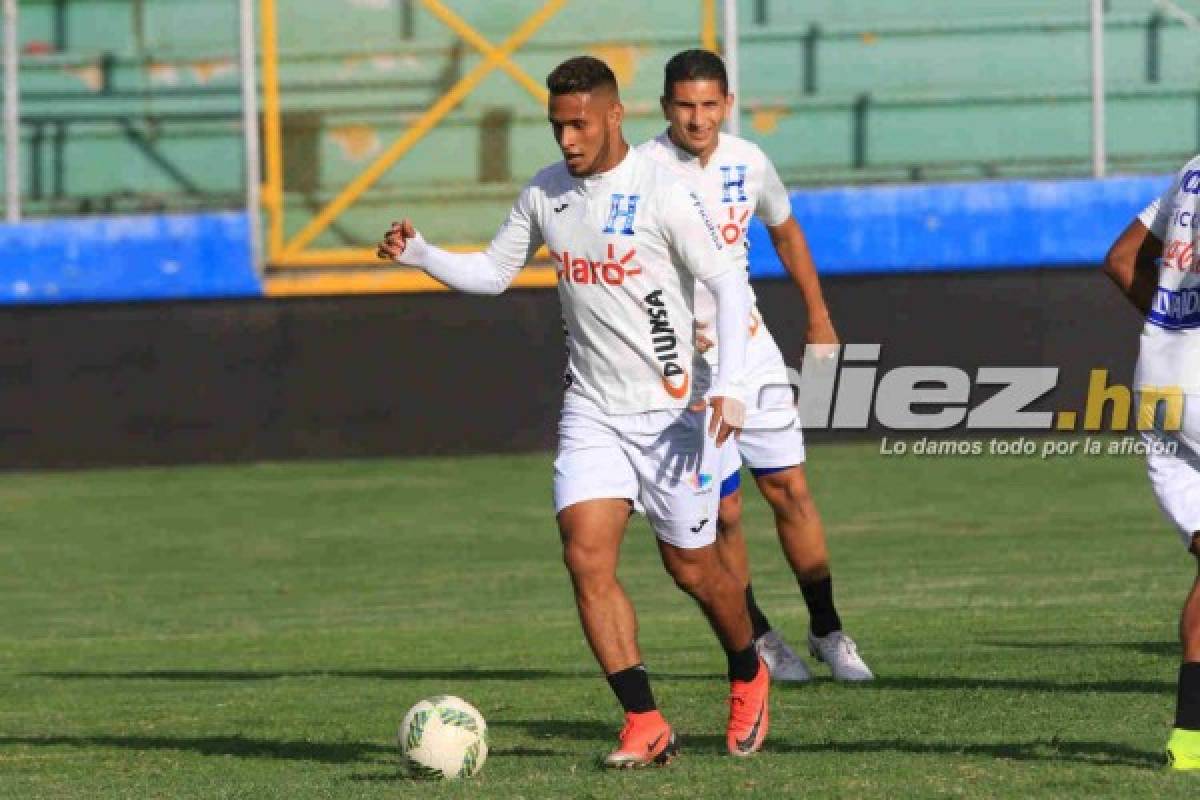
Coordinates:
column 598, row 494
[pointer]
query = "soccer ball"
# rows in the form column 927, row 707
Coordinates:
column 443, row 737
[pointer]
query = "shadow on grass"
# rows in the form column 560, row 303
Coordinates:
column 430, row 674
column 899, row 682
column 244, row 747
column 400, row 776
column 273, row 675
column 1084, row 752
column 967, row 683
column 1170, row 648
column 237, row 746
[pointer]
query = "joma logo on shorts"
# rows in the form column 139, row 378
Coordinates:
column 666, row 345
column 612, row 271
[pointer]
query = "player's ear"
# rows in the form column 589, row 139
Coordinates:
column 664, row 103
column 616, row 113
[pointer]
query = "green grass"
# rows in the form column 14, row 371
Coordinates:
column 259, row 631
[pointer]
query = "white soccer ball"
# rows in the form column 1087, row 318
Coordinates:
column 443, row 737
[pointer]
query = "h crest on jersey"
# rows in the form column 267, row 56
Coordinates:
column 729, row 183
column 622, row 209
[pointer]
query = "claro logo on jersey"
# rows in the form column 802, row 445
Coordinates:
column 612, row 271
column 666, row 346
column 1179, row 254
column 735, row 228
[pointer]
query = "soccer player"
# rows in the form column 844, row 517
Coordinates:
column 630, row 239
column 1153, row 263
column 736, row 180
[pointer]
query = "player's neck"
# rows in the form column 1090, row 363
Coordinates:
column 703, row 155
column 615, row 157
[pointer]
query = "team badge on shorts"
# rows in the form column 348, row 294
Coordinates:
column 701, row 482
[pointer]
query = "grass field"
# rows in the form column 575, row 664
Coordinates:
column 258, row 632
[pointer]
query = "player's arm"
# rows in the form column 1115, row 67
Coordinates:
column 792, row 247
column 775, row 210
column 1132, row 264
column 489, row 272
column 694, row 238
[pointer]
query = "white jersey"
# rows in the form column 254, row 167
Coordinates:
column 1169, row 355
column 628, row 245
column 738, row 181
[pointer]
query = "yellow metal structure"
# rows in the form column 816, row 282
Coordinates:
column 708, row 25
column 290, row 259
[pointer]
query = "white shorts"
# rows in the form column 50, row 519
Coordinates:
column 773, row 438
column 1175, row 476
column 661, row 461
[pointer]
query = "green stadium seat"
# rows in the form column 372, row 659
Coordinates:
column 127, row 105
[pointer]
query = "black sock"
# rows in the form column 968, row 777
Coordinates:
column 632, row 688
column 743, row 664
column 757, row 618
column 1187, row 704
column 818, row 596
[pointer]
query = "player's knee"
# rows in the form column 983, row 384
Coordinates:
column 586, row 563
column 690, row 574
column 788, row 494
column 729, row 515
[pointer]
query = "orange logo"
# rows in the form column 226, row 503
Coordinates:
column 613, row 271
column 678, row 392
column 734, row 229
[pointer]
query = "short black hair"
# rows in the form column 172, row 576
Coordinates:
column 580, row 74
column 695, row 65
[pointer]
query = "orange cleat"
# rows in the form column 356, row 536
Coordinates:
column 646, row 740
column 748, row 714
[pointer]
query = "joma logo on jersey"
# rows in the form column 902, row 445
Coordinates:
column 622, row 209
column 666, row 345
column 580, row 270
column 729, row 183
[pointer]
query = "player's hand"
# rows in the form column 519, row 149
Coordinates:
column 703, row 343
column 822, row 338
column 728, row 418
column 395, row 240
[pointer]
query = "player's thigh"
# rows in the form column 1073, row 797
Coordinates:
column 591, row 533
column 592, row 462
column 677, row 467
column 693, row 568
column 1173, row 466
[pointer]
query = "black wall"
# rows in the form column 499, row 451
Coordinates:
column 428, row 374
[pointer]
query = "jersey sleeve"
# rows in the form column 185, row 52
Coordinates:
column 1156, row 215
column 519, row 236
column 691, row 234
column 774, row 205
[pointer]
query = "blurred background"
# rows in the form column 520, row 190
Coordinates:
column 194, row 187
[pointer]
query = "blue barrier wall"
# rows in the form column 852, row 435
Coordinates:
column 963, row 226
column 913, row 228
column 144, row 257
